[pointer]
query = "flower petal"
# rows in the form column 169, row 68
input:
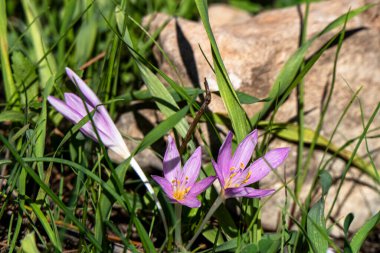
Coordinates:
column 192, row 167
column 101, row 117
column 190, row 201
column 244, row 151
column 90, row 96
column 165, row 185
column 247, row 192
column 262, row 166
column 107, row 135
column 77, row 104
column 201, row 186
column 219, row 172
column 64, row 109
column 224, row 156
column 71, row 115
column 172, row 161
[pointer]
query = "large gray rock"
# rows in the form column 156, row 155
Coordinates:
column 255, row 48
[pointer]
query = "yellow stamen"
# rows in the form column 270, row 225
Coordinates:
column 179, row 194
column 247, row 177
column 242, row 166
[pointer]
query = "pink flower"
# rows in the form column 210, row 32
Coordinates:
column 75, row 109
column 233, row 173
column 179, row 184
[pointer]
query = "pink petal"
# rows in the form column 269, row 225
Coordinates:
column 244, row 151
column 247, row 192
column 262, row 166
column 103, row 121
column 165, row 185
column 201, row 186
column 90, row 96
column 64, row 109
column 192, row 167
column 219, row 172
column 107, row 135
column 172, row 161
column 224, row 156
column 190, row 201
column 77, row 104
column 71, row 115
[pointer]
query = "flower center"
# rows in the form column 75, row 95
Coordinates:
column 179, row 189
column 236, row 177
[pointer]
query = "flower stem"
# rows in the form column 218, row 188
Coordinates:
column 178, row 223
column 212, row 210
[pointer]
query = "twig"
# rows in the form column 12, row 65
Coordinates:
column 92, row 61
column 201, row 111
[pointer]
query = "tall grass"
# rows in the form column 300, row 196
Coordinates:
column 60, row 191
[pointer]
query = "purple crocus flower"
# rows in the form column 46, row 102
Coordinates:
column 178, row 183
column 75, row 109
column 233, row 173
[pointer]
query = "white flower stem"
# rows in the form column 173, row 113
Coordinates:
column 178, row 224
column 213, row 208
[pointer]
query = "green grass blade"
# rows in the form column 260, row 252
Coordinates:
column 316, row 227
column 40, row 129
column 289, row 72
column 45, row 224
column 9, row 85
column 21, row 185
column 47, row 67
column 360, row 236
column 356, row 148
column 12, row 116
column 290, row 133
column 235, row 111
column 165, row 101
column 28, row 244
column 49, row 192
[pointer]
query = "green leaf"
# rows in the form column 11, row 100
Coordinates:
column 238, row 117
column 360, row 236
column 47, row 64
column 12, row 116
column 326, row 181
column 251, row 248
column 246, row 5
column 347, row 222
column 316, row 228
column 28, row 244
column 245, row 98
column 25, row 76
column 54, row 238
column 9, row 85
column 230, row 245
column 211, row 234
column 270, row 243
